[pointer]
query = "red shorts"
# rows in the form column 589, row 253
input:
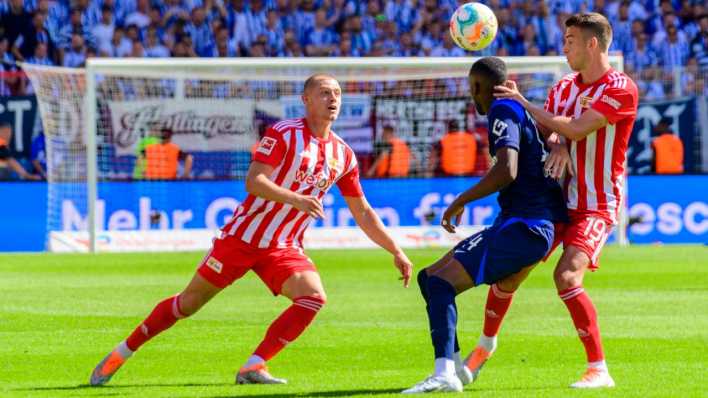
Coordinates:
column 588, row 231
column 230, row 258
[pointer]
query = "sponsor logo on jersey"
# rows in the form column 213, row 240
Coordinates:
column 499, row 127
column 266, row 146
column 214, row 264
column 320, row 181
column 610, row 101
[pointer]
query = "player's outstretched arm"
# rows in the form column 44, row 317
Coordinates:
column 573, row 129
column 369, row 222
column 258, row 183
column 500, row 175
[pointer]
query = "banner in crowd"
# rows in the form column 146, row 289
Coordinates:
column 681, row 113
column 23, row 116
column 198, row 124
column 421, row 120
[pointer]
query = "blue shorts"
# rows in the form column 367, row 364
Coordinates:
column 505, row 248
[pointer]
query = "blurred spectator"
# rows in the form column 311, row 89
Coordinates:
column 162, row 159
column 140, row 17
column 320, row 40
column 699, row 44
column 393, row 157
column 15, row 21
column 7, row 64
column 153, row 46
column 41, row 55
column 8, row 165
column 25, row 43
column 668, row 149
column 458, row 151
column 448, row 48
column 103, row 31
column 224, row 47
column 674, row 51
column 200, row 32
column 75, row 56
column 38, row 155
column 120, row 46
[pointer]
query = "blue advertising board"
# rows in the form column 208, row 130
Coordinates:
column 677, row 212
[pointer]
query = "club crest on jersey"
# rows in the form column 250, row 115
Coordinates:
column 266, row 146
column 333, row 164
column 585, row 102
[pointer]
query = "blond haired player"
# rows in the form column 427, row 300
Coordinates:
column 295, row 164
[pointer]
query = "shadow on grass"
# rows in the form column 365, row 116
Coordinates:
column 112, row 387
column 333, row 393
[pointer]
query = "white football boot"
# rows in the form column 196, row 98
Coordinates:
column 257, row 374
column 594, row 378
column 440, row 383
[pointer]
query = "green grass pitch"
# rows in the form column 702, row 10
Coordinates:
column 60, row 314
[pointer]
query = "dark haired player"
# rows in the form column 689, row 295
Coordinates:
column 531, row 203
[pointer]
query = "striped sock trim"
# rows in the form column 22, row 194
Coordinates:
column 176, row 311
column 500, row 293
column 311, row 303
column 568, row 294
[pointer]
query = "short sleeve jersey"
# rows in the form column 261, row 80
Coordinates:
column 531, row 194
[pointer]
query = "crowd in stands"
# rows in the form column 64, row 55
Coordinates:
column 663, row 42
column 655, row 36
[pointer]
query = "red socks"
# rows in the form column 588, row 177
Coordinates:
column 165, row 314
column 498, row 302
column 585, row 320
column 289, row 325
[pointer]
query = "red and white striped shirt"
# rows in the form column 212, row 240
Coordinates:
column 304, row 164
column 598, row 159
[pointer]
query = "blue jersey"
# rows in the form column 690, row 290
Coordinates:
column 531, row 194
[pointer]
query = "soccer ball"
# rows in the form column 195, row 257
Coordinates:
column 473, row 26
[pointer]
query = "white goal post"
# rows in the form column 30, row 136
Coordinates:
column 103, row 79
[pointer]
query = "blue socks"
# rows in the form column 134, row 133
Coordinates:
column 442, row 314
column 423, row 285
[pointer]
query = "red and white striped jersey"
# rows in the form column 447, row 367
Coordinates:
column 304, row 164
column 598, row 159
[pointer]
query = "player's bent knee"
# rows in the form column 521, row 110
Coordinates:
column 566, row 279
column 313, row 302
column 191, row 302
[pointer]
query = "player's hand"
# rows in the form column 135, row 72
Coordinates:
column 558, row 161
column 405, row 267
column 453, row 212
column 310, row 205
column 509, row 90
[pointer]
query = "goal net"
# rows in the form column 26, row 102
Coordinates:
column 150, row 154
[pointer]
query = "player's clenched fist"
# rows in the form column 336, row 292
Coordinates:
column 310, row 205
